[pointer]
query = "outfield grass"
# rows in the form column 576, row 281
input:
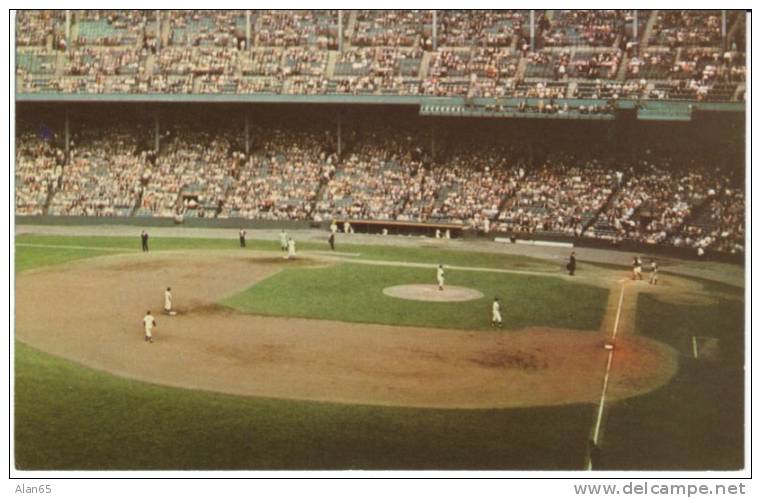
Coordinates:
column 31, row 257
column 374, row 252
column 70, row 417
column 354, row 293
column 696, row 421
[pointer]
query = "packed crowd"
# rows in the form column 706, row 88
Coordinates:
column 561, row 196
column 392, row 28
column 654, row 201
column 385, row 174
column 388, row 52
column 191, row 175
column 721, row 225
column 677, row 28
column 38, row 167
column 583, row 27
column 281, row 179
column 102, row 176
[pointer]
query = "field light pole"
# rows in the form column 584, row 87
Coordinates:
column 435, row 31
column 248, row 29
column 531, row 28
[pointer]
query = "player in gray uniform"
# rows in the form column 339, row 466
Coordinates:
column 653, row 273
column 440, row 277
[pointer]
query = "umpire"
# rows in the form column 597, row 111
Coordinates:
column 144, row 240
column 571, row 266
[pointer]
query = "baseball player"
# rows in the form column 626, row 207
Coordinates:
column 496, row 316
column 149, row 322
column 242, row 237
column 144, row 240
column 283, row 241
column 332, row 241
column 440, row 277
column 653, row 273
column 291, row 248
column 636, row 269
column 168, row 301
column 571, row 266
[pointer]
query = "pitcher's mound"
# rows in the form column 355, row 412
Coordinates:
column 420, row 292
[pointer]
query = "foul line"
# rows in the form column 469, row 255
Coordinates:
column 601, row 407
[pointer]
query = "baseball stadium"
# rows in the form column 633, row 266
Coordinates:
column 379, row 240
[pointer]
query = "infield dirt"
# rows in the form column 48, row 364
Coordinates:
column 90, row 312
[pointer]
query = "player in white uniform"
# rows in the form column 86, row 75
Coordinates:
column 440, row 277
column 149, row 322
column 496, row 316
column 283, row 240
column 168, row 301
column 291, row 248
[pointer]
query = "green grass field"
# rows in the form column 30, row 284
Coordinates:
column 696, row 421
column 352, row 292
column 71, row 417
column 372, row 252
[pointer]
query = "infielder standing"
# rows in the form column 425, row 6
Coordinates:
column 496, row 316
column 440, row 277
column 291, row 248
column 636, row 269
column 168, row 300
column 242, row 237
column 149, row 323
column 654, row 273
column 283, row 241
column 144, row 240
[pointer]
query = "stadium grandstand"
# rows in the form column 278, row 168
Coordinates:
column 607, row 127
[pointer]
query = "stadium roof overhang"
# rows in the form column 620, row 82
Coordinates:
column 661, row 110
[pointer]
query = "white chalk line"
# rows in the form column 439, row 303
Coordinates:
column 601, row 406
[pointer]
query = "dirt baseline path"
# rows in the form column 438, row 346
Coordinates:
column 90, row 312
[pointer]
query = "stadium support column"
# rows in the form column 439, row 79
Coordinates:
column 158, row 31
column 248, row 29
column 724, row 27
column 68, row 28
column 433, row 142
column 635, row 26
column 338, row 137
column 340, row 30
column 532, row 28
column 247, row 136
column 157, row 139
column 66, row 135
column 435, row 31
